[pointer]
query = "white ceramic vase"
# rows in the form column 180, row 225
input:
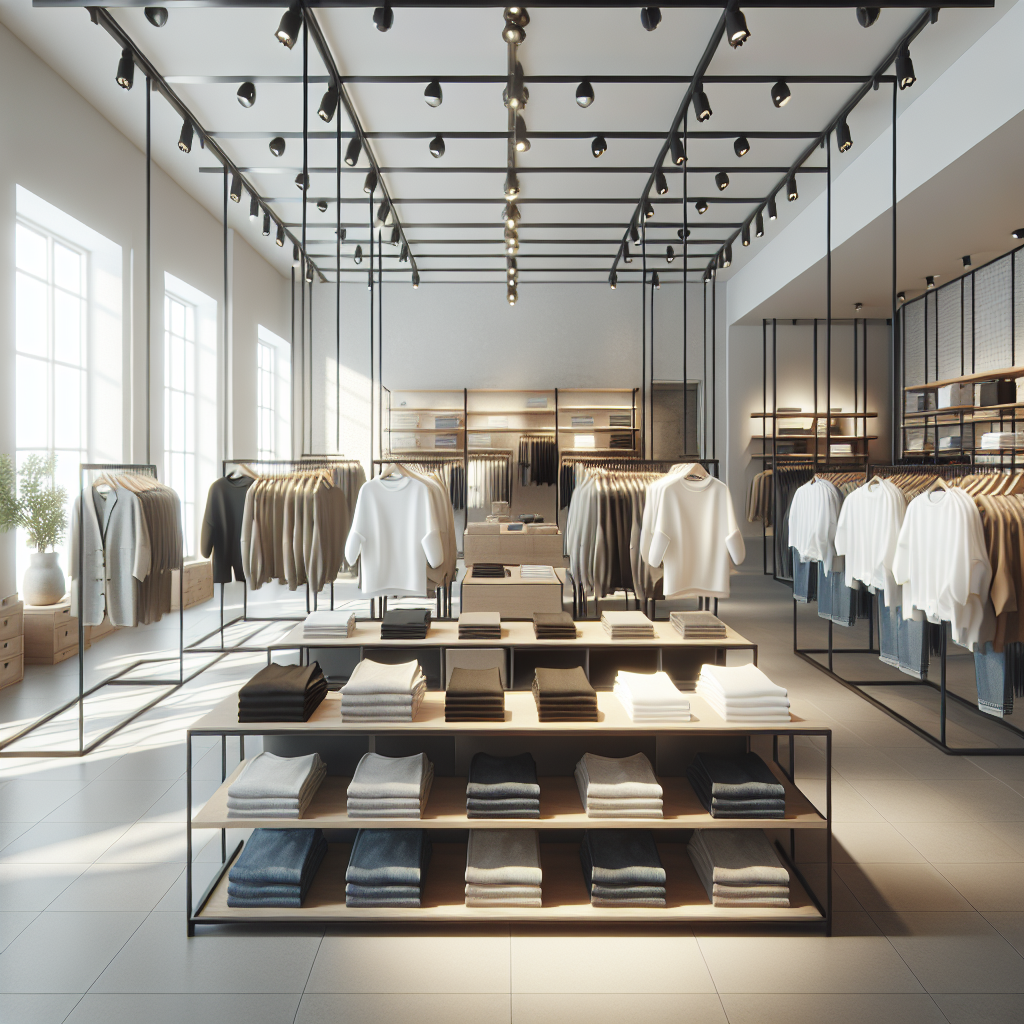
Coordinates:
column 44, row 580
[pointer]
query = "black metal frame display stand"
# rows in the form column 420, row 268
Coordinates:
column 169, row 686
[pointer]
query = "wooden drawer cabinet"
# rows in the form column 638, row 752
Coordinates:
column 12, row 670
column 51, row 634
column 12, row 641
column 197, row 587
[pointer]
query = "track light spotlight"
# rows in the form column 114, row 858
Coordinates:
column 246, row 94
column 403, row 253
column 295, row 256
column 905, row 76
column 513, row 33
column 512, row 295
column 517, row 16
column 626, row 258
column 965, row 260
column 321, row 205
column 291, row 24
column 655, row 280
column 370, row 182
column 235, row 192
column 781, row 94
column 352, row 151
column 280, row 235
column 773, row 210
column 901, row 296
column 396, row 235
column 512, row 268
column 613, row 280
column 648, row 209
column 511, row 189
column 380, row 218
column 929, row 282
column 522, row 139
column 277, row 146
column 867, row 16
column 432, row 94
column 185, row 138
column 511, row 215
column 511, row 233
column 745, row 235
column 701, row 105
column 660, row 183
column 858, row 306
column 727, row 257
column 156, row 16
column 357, row 257
column 511, row 246
column 309, row 273
column 791, row 193
column 634, row 234
column 701, row 206
column 598, row 146
column 670, row 254
column 328, row 105
column 266, row 225
column 759, row 225
column 254, row 208
column 741, row 147
column 584, row 94
column 722, row 181
column 302, row 182
column 650, row 17
column 383, row 17
column 1019, row 233
column 736, row 30
column 683, row 234
column 126, row 70
column 436, row 147
column 415, row 279
column 707, row 275
column 677, row 150
column 843, row 137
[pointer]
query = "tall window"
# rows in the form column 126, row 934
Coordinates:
column 266, row 385
column 179, row 407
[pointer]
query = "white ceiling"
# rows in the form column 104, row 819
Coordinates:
column 239, row 43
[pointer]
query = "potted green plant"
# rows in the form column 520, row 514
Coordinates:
column 41, row 511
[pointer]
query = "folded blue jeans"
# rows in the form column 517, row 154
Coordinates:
column 804, row 579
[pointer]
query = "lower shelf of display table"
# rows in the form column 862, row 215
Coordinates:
column 564, row 895
column 560, row 807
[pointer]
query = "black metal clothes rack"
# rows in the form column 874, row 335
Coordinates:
column 167, row 686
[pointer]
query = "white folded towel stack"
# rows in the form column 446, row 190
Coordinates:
column 275, row 787
column 329, row 625
column 619, row 787
column 390, row 787
column 383, row 693
column 1004, row 439
column 743, row 693
column 627, row 625
column 651, row 698
column 503, row 868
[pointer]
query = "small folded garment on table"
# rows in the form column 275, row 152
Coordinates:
column 480, row 626
column 276, row 867
column 390, row 787
column 503, row 868
column 564, row 694
column 742, row 786
column 651, row 697
column 743, row 693
column 282, row 693
column 618, row 778
column 502, row 787
column 698, row 625
column 383, row 693
column 405, row 624
column 387, row 868
column 488, row 571
column 628, row 625
column 554, row 626
column 622, row 868
column 735, row 865
column 275, row 787
column 328, row 624
column 474, row 695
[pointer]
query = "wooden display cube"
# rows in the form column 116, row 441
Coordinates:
column 197, row 587
column 510, row 546
column 513, row 597
column 51, row 633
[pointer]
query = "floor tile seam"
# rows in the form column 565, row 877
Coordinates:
column 117, row 953
column 73, row 1008
column 34, row 913
column 975, row 909
column 309, row 974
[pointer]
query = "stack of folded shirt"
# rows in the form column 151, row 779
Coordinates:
column 627, row 625
column 474, row 695
column 276, row 867
column 383, row 693
column 480, row 626
column 743, row 694
column 387, row 867
column 390, row 787
column 537, row 572
column 503, row 868
column 739, row 868
column 502, row 787
column 737, row 787
column 282, row 693
column 564, row 695
column 275, row 787
column 698, row 625
column 329, row 625
column 622, row 868
column 488, row 571
column 405, row 624
column 619, row 787
column 651, row 698
column 554, row 626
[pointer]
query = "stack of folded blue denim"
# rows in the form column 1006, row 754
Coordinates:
column 622, row 868
column 387, row 867
column 276, row 867
column 742, row 786
column 502, row 787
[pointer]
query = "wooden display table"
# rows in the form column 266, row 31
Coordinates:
column 513, row 597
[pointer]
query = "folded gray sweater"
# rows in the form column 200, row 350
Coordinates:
column 503, row 857
column 377, row 777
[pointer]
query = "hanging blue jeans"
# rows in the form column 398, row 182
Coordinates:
column 888, row 631
column 912, row 643
column 824, row 593
column 995, row 694
column 804, row 579
column 835, row 598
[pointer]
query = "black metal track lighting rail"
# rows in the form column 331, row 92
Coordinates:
column 469, row 4
column 486, row 225
column 642, row 136
column 527, row 79
column 352, row 240
column 585, row 169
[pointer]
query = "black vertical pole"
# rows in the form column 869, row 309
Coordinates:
column 337, row 294
column 372, row 379
column 380, row 336
column 704, row 376
column 814, row 368
column 652, row 366
column 293, row 378
column 828, row 298
column 149, row 264
column 897, row 412
column 714, row 365
column 310, row 448
column 764, row 433
column 224, row 445
column 643, row 336
column 686, row 233
column 305, row 190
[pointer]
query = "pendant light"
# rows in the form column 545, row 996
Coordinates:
column 511, row 215
column 185, row 138
column 415, row 279
column 328, row 105
column 650, row 17
column 432, row 94
column 843, row 136
column 352, row 151
column 522, row 140
column 745, row 235
column 670, row 254
column 759, row 225
column 905, row 76
column 280, row 235
column 722, row 181
column 584, row 94
column 357, row 257
column 156, row 16
column 741, row 147
column 383, row 17
column 781, row 94
column 701, row 206
column 867, row 16
column 511, row 185
column 126, row 70
column 277, row 146
column 773, row 210
column 321, row 205
column 291, row 25
column 791, row 193
column 598, row 146
column 736, row 31
column 660, row 183
column 436, row 147
column 246, row 94
column 613, row 280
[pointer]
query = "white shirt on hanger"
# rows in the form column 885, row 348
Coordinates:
column 867, row 532
column 813, row 516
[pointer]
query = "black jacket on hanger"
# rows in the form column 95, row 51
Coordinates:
column 222, row 527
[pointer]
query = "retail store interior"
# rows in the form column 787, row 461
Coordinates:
column 400, row 621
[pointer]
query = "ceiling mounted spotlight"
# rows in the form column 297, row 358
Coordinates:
column 512, row 295
column 370, row 182
column 791, row 193
column 254, row 208
column 683, row 233
column 512, row 246
column 648, row 209
column 322, row 205
column 517, row 16
column 125, row 70
column 701, row 206
column 511, row 215
column 626, row 257
column 291, row 25
column 650, row 17
column 277, row 146
column 660, row 183
column 843, row 137
column 309, row 273
column 328, row 105
column 432, row 94
column 357, row 256
column 1019, row 233
column 511, row 233
column 235, row 192
column 513, row 33
column 403, row 255
column 781, row 94
column 741, row 147
column 352, row 151
column 436, row 147
column 280, row 234
column 516, row 97
column 634, row 234
column 736, row 30
column 707, row 275
column 383, row 17
column 380, row 218
column 156, row 16
column 415, row 279
column 905, row 76
column 302, row 182
column 722, row 181
column 677, row 150
column 929, row 282
column 246, row 94
column 522, row 138
column 396, row 235
column 185, row 138
column 512, row 267
column 773, row 210
column 511, row 189
column 670, row 254
column 759, row 225
column 655, row 280
column 701, row 105
column 858, row 306
column 266, row 225
column 584, row 94
column 598, row 146
column 867, row 16
column 613, row 280
column 727, row 257
column 901, row 296
column 745, row 235
column 295, row 256
column 965, row 260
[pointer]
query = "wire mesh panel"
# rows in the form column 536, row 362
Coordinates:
column 968, row 285
column 947, row 325
column 913, row 344
column 992, row 317
column 1018, row 306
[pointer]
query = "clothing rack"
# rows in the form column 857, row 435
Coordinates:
column 946, row 471
column 168, row 686
column 618, row 461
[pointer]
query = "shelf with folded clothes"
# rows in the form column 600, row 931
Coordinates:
column 565, row 896
column 560, row 807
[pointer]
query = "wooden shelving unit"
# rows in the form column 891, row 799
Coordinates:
column 1009, row 373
